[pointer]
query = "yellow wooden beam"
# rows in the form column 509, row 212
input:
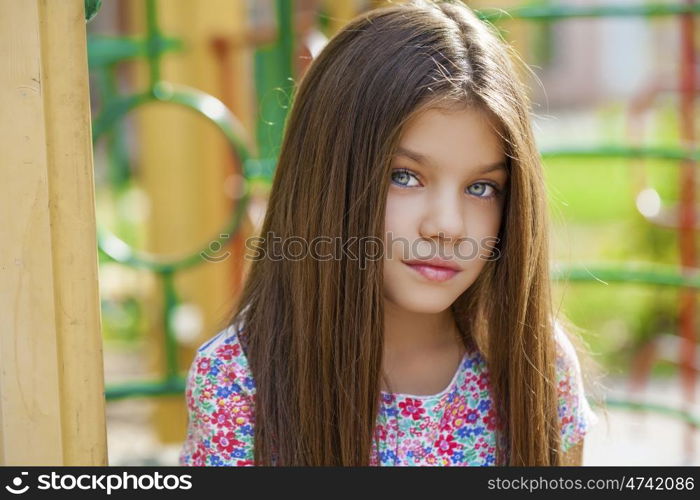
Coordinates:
column 51, row 374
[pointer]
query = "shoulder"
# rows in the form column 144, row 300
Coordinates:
column 221, row 362
column 575, row 413
column 219, row 394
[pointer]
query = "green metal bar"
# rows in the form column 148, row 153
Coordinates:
column 285, row 23
column 542, row 38
column 563, row 12
column 173, row 386
column 172, row 367
column 114, row 110
column 153, row 42
column 106, row 51
column 661, row 153
column 117, row 157
column 274, row 84
column 652, row 408
column 630, row 273
column 260, row 169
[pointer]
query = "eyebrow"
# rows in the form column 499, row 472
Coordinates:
column 426, row 160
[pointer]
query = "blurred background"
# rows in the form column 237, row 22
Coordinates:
column 189, row 101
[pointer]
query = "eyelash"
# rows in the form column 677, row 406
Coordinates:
column 496, row 190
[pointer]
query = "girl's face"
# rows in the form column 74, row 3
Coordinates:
column 445, row 202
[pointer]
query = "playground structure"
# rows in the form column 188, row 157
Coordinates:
column 52, row 385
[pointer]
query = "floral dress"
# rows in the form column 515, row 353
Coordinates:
column 457, row 427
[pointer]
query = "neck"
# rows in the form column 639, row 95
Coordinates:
column 410, row 333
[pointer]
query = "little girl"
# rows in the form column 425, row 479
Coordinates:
column 406, row 318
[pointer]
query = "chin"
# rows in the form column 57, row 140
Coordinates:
column 424, row 303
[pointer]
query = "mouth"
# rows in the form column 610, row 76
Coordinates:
column 433, row 272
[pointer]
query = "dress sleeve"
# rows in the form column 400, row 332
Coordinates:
column 575, row 413
column 219, row 406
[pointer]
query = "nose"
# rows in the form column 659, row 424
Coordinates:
column 444, row 218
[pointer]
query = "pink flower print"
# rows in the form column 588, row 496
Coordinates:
column 243, row 463
column 445, row 444
column 412, row 444
column 412, row 408
column 446, row 427
column 203, row 366
column 228, row 351
column 189, row 398
column 221, row 418
column 225, row 441
column 564, row 386
column 472, row 415
column 228, row 375
column 490, row 420
column 199, row 456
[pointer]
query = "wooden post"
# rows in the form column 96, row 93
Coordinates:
column 51, row 374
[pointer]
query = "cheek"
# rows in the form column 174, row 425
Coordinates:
column 482, row 227
column 400, row 214
column 482, row 222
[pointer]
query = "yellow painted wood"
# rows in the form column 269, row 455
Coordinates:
column 51, row 374
column 340, row 12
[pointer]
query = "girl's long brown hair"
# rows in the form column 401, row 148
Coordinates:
column 313, row 329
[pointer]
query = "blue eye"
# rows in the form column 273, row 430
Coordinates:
column 405, row 178
column 402, row 177
column 481, row 188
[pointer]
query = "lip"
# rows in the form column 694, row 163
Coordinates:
column 430, row 269
column 444, row 264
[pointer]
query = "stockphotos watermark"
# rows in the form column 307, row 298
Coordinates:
column 106, row 483
column 363, row 249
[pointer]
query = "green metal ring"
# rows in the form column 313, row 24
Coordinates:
column 215, row 111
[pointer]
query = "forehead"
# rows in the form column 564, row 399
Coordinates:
column 465, row 137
